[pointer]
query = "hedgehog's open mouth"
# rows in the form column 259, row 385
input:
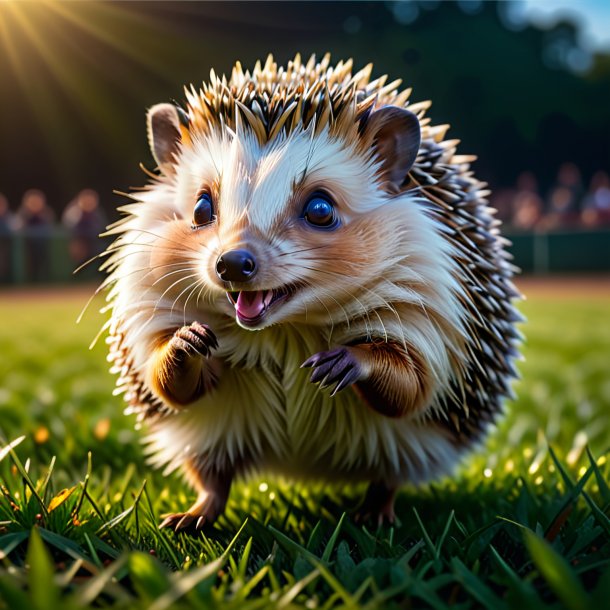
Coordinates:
column 251, row 306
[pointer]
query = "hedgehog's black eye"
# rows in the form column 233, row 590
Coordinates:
column 203, row 213
column 320, row 212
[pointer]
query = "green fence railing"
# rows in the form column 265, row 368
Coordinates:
column 49, row 257
column 45, row 257
column 561, row 251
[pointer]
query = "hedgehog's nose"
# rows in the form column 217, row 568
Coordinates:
column 236, row 266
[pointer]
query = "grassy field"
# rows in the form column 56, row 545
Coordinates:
column 524, row 523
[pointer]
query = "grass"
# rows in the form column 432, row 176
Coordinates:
column 524, row 523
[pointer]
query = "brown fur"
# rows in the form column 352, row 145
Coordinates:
column 398, row 381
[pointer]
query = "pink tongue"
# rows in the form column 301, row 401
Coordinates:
column 251, row 303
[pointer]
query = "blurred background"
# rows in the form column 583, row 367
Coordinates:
column 525, row 86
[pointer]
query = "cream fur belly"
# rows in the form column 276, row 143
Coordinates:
column 272, row 418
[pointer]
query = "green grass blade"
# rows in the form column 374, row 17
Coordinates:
column 601, row 594
column 27, row 481
column 123, row 515
column 149, row 580
column 11, row 541
column 252, row 583
column 334, row 584
column 522, row 588
column 84, row 485
column 295, row 589
column 557, row 572
column 427, row 539
column 93, row 552
column 294, row 549
column 476, row 587
column 63, row 544
column 242, row 566
column 604, row 490
column 406, row 558
column 162, row 536
column 333, row 540
column 315, row 537
column 12, row 595
column 441, row 540
column 598, row 513
column 47, row 479
column 8, row 448
column 99, row 584
column 560, row 468
column 43, row 591
column 193, row 578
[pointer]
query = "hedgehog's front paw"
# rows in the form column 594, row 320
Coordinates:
column 338, row 367
column 182, row 370
column 205, row 511
column 194, row 339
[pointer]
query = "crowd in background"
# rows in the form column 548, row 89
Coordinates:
column 568, row 204
column 35, row 223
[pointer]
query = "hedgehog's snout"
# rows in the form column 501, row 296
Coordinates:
column 236, row 266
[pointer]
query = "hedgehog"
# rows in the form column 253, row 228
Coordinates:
column 311, row 284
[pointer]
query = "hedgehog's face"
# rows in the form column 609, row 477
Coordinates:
column 293, row 230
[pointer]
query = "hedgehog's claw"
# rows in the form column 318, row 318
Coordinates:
column 196, row 338
column 186, row 523
column 204, row 512
column 338, row 367
column 350, row 377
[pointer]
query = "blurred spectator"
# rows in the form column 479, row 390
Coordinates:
column 564, row 198
column 85, row 220
column 502, row 200
column 527, row 204
column 6, row 231
column 596, row 204
column 35, row 220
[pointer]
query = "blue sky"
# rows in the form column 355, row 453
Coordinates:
column 594, row 16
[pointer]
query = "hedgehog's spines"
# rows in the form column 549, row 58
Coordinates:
column 330, row 93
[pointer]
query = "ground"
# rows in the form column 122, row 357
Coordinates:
column 524, row 522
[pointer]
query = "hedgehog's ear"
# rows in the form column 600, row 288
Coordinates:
column 164, row 136
column 395, row 134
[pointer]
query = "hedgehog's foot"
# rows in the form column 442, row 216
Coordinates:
column 203, row 512
column 210, row 504
column 377, row 506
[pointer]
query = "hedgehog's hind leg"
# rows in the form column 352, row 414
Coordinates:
column 378, row 504
column 213, row 486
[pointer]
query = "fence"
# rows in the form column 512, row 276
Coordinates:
column 561, row 251
column 49, row 257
